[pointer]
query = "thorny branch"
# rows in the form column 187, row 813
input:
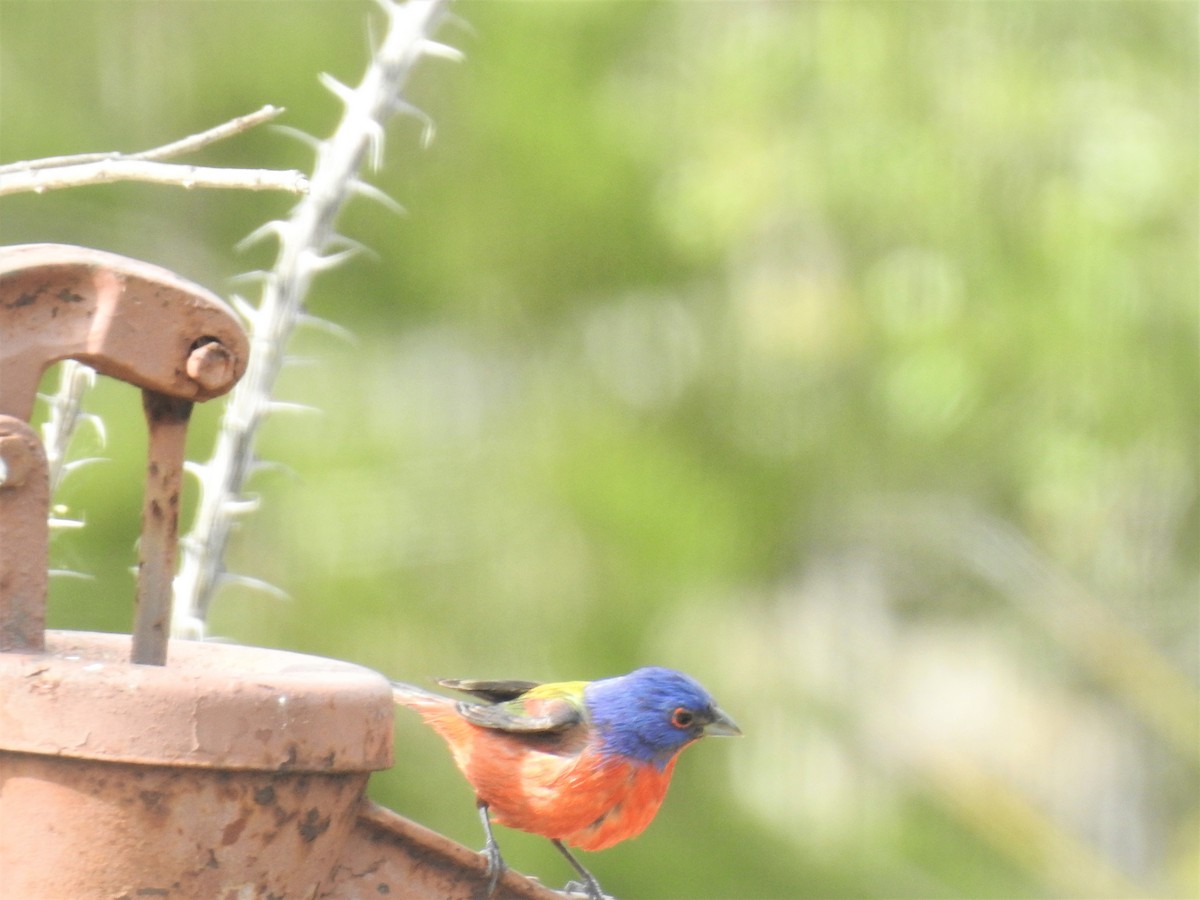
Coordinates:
column 308, row 245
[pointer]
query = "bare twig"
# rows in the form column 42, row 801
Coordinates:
column 110, row 170
column 41, row 175
column 217, row 133
column 175, row 148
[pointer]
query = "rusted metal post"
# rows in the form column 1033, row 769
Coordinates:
column 24, row 536
column 166, row 420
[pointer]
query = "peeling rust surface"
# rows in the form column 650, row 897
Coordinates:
column 83, row 829
column 24, row 537
column 313, row 825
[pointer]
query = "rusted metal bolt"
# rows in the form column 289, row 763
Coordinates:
column 15, row 460
column 212, row 367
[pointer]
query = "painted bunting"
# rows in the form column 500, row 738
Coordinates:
column 581, row 763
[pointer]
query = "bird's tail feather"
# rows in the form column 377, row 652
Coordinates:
column 418, row 698
column 403, row 691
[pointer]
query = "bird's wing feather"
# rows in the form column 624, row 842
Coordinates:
column 541, row 708
column 553, row 716
column 492, row 691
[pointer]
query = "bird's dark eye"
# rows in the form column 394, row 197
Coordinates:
column 682, row 718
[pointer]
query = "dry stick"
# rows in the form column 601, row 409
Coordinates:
column 111, row 170
column 41, row 175
column 218, row 133
column 166, row 151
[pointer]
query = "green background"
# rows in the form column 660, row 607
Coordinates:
column 840, row 354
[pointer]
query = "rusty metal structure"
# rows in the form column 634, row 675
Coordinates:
column 212, row 771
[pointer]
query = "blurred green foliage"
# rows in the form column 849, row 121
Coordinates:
column 840, row 354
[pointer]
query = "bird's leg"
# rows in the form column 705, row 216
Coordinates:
column 495, row 862
column 590, row 885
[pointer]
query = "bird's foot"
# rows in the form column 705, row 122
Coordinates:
column 496, row 866
column 589, row 885
column 491, row 851
column 591, row 891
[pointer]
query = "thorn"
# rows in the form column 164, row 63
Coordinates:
column 300, row 362
column 375, row 141
column 237, row 508
column 428, row 129
column 283, row 406
column 274, row 228
column 325, row 325
column 362, row 189
column 65, row 524
column 244, row 309
column 256, row 584
column 298, row 135
column 331, row 261
column 268, row 465
column 67, row 573
column 372, row 45
column 444, row 51
column 69, row 467
column 255, row 276
column 364, row 250
column 336, row 88
column 349, row 243
column 452, row 20
column 97, row 424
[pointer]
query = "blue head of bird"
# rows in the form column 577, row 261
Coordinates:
column 651, row 714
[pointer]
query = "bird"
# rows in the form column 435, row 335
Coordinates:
column 582, row 763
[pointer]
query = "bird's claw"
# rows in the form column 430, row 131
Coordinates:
column 491, row 850
column 496, row 866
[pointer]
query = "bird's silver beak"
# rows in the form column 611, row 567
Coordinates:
column 721, row 726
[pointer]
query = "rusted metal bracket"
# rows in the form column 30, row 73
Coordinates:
column 130, row 320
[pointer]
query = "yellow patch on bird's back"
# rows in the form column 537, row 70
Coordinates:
column 569, row 690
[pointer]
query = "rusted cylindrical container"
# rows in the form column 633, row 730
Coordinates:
column 234, row 772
